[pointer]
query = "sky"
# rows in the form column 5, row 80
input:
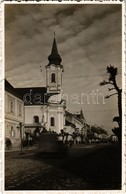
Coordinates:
column 88, row 38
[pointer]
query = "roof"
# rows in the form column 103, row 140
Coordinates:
column 80, row 115
column 34, row 95
column 30, row 96
column 72, row 117
column 54, row 57
column 69, row 123
column 9, row 88
column 98, row 130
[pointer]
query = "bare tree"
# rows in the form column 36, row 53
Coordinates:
column 113, row 72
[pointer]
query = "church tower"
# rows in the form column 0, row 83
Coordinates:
column 56, row 107
column 54, row 71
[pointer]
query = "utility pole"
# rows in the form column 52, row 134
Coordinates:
column 20, row 128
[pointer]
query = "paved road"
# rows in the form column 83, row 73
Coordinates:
column 31, row 172
column 27, row 172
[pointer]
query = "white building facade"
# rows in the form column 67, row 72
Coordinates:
column 14, row 114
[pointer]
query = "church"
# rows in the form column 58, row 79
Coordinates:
column 40, row 107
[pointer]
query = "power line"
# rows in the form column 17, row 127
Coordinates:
column 80, row 76
column 100, row 110
column 87, row 76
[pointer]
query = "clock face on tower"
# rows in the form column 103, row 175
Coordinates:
column 53, row 68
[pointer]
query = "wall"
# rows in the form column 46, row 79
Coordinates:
column 14, row 113
column 53, row 110
column 31, row 111
column 56, row 111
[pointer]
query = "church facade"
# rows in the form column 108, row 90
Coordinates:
column 43, row 107
column 47, row 104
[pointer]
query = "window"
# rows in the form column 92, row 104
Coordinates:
column 11, row 107
column 52, row 121
column 53, row 78
column 12, row 132
column 36, row 119
column 19, row 109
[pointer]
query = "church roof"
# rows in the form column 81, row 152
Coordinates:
column 30, row 96
column 34, row 95
column 54, row 57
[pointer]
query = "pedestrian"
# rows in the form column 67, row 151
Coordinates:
column 8, row 144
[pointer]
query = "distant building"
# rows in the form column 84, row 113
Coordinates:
column 97, row 134
column 75, row 123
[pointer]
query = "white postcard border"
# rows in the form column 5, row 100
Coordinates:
column 2, row 94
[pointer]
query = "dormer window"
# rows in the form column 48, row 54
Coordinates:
column 53, row 78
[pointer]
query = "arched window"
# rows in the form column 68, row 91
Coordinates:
column 53, row 78
column 36, row 119
column 52, row 121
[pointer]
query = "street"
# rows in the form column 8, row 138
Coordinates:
column 72, row 172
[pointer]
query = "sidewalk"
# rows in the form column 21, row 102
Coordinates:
column 18, row 149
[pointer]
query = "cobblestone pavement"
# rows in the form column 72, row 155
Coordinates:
column 26, row 173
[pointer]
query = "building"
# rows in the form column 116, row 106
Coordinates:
column 97, row 134
column 14, row 114
column 39, row 107
column 42, row 108
column 75, row 124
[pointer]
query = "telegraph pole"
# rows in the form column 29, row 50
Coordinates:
column 20, row 128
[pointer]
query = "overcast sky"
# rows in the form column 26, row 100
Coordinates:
column 88, row 39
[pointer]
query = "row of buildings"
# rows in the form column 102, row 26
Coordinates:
column 41, row 107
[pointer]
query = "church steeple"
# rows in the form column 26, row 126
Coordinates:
column 54, row 71
column 81, row 114
column 54, row 47
column 54, row 57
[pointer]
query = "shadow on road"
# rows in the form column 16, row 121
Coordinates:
column 90, row 167
column 98, row 165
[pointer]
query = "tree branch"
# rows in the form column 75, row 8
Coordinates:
column 109, row 89
column 104, row 82
column 110, row 95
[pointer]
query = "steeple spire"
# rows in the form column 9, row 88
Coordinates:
column 54, row 47
column 54, row 57
column 81, row 114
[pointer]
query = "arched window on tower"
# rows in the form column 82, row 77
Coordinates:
column 53, row 78
column 52, row 121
